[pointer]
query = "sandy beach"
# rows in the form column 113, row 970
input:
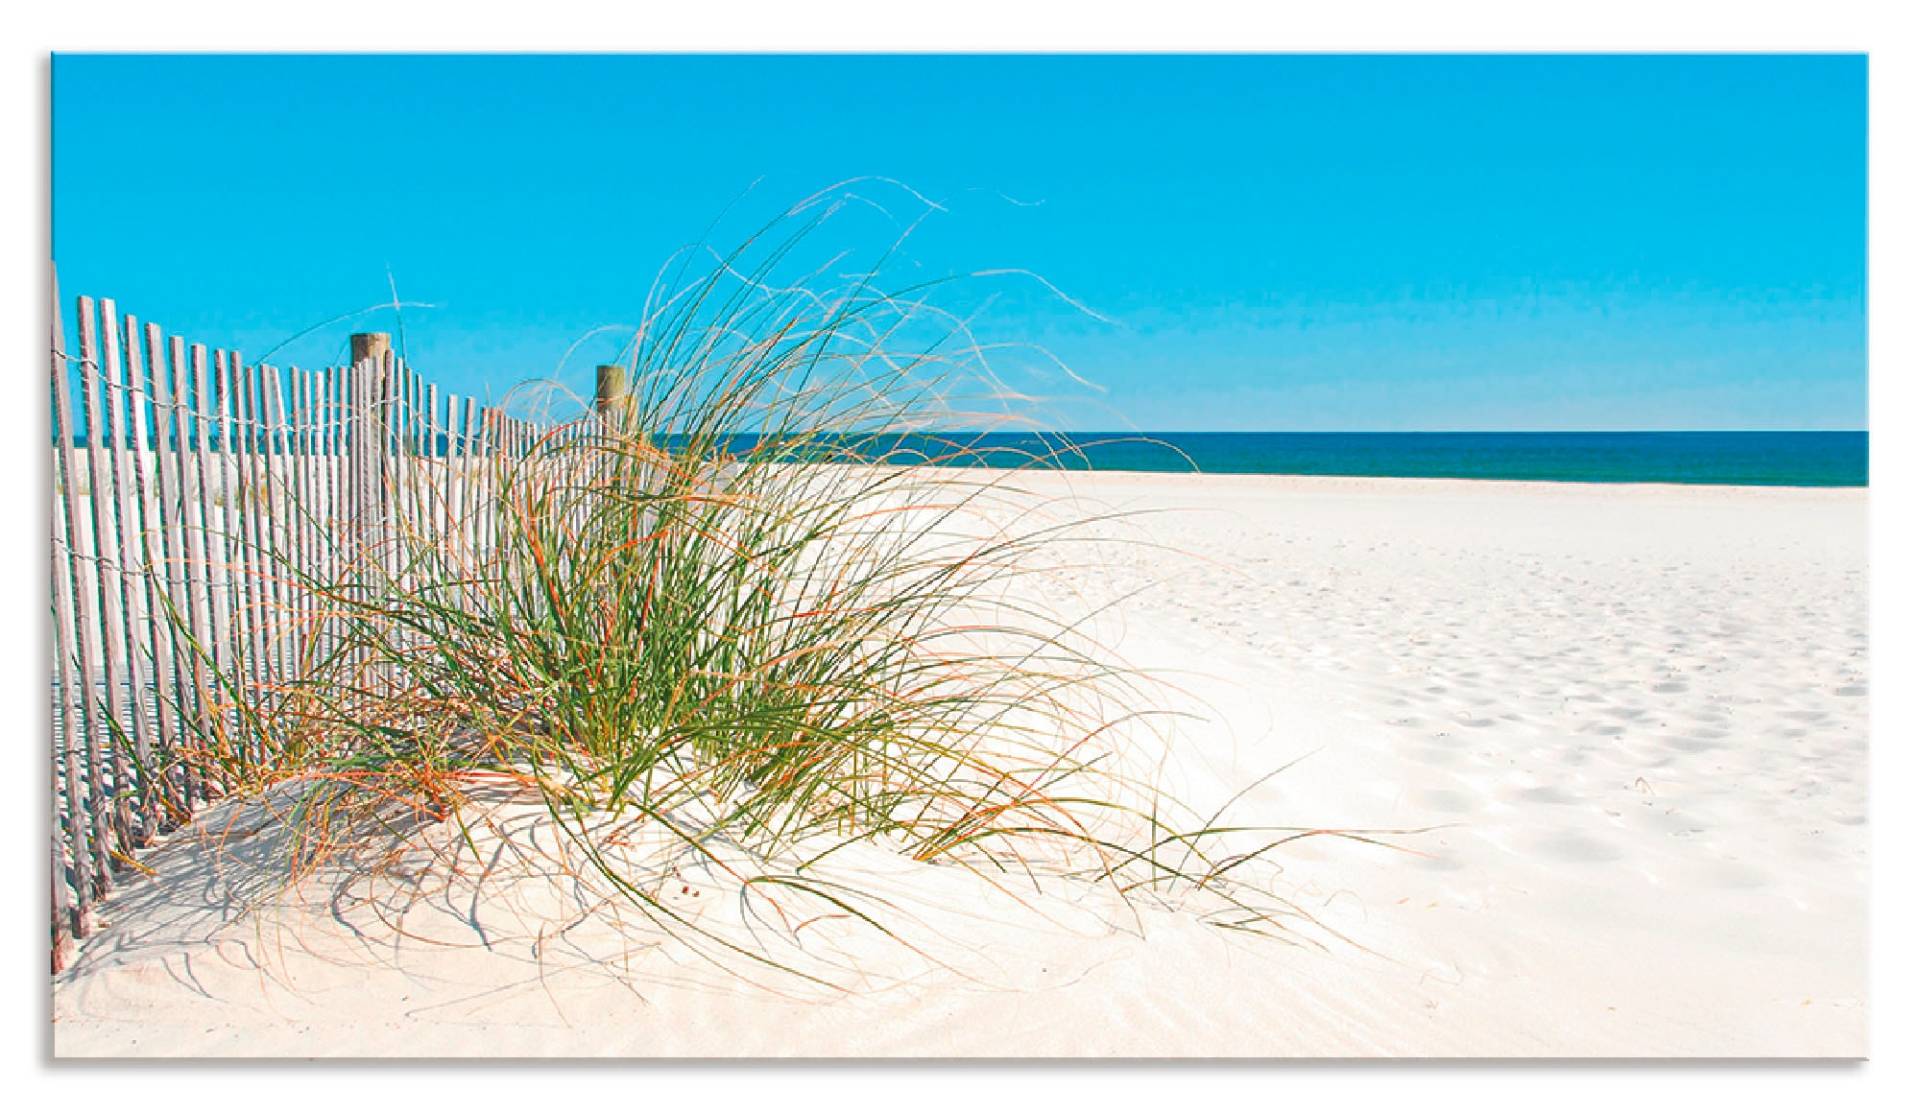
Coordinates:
column 1625, row 728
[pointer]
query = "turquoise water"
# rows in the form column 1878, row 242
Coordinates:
column 1801, row 459
column 1797, row 459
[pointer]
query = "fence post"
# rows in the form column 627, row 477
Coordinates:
column 610, row 398
column 368, row 429
column 373, row 349
column 371, row 345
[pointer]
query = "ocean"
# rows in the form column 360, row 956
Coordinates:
column 1799, row 459
column 1793, row 459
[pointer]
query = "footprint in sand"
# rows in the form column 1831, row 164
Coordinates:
column 1446, row 799
column 1546, row 793
column 1573, row 846
column 1437, row 755
column 1575, row 757
column 1732, row 874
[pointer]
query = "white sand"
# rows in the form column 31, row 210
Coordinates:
column 1638, row 715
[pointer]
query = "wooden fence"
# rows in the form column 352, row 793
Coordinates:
column 187, row 483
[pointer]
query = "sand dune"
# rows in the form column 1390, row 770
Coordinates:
column 1631, row 722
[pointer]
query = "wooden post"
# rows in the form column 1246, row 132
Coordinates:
column 610, row 387
column 614, row 404
column 371, row 345
column 373, row 348
column 370, row 351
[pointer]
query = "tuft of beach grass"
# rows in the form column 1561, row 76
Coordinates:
column 757, row 615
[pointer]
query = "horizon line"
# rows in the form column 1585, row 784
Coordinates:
column 1404, row 432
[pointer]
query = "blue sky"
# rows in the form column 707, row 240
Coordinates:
column 1281, row 242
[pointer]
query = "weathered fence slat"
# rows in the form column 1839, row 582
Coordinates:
column 226, row 508
column 469, row 485
column 170, row 437
column 300, row 504
column 87, row 639
column 213, row 510
column 229, row 514
column 70, row 801
column 193, row 497
column 102, row 554
column 392, row 449
column 131, row 581
column 278, row 648
column 255, row 563
column 159, row 645
column 443, row 445
column 72, row 804
column 333, row 442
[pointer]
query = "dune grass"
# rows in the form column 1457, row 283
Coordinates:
column 740, row 609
